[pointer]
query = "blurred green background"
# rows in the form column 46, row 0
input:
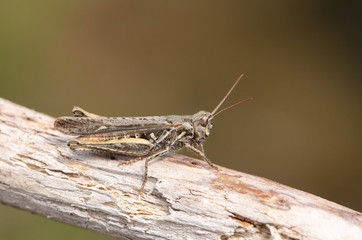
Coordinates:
column 301, row 60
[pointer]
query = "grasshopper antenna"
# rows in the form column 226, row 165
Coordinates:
column 231, row 106
column 214, row 113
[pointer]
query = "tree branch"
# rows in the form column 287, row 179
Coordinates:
column 186, row 200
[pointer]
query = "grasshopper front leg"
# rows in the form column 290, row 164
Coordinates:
column 201, row 153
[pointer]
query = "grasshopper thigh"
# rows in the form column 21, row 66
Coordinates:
column 137, row 147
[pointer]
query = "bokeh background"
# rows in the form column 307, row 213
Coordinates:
column 301, row 60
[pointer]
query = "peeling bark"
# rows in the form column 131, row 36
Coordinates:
column 186, row 199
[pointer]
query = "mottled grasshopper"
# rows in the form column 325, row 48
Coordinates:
column 143, row 138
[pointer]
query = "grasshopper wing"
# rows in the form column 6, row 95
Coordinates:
column 91, row 125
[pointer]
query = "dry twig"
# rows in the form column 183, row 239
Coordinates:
column 188, row 200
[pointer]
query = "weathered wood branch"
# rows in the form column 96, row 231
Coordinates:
column 187, row 199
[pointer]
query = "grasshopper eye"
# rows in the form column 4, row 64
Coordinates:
column 203, row 122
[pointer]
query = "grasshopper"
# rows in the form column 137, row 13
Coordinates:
column 143, row 138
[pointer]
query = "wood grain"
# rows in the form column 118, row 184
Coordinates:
column 186, row 199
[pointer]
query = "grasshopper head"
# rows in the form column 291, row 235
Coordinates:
column 202, row 122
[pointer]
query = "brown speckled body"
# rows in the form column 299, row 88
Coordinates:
column 143, row 138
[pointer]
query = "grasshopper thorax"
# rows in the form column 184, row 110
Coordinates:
column 202, row 123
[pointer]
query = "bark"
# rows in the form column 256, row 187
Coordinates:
column 185, row 198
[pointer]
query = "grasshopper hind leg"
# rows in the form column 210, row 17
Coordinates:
column 147, row 159
column 79, row 112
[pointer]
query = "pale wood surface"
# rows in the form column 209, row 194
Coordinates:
column 186, row 200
